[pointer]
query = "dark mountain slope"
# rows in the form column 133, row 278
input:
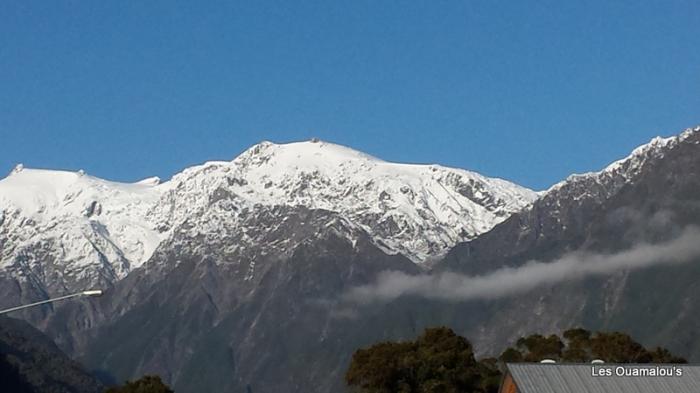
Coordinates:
column 660, row 195
column 202, row 321
column 229, row 305
column 31, row 362
column 644, row 197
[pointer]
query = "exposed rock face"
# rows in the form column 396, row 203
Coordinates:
column 63, row 231
column 219, row 318
column 267, row 240
column 650, row 197
column 240, row 288
column 629, row 193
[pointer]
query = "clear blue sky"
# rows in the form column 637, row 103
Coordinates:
column 525, row 90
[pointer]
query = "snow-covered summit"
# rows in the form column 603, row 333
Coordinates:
column 312, row 153
column 54, row 192
column 624, row 170
column 86, row 224
column 58, row 224
column 417, row 210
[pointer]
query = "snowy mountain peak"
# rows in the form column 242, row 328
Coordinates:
column 608, row 181
column 417, row 210
column 54, row 192
column 90, row 227
column 307, row 155
column 655, row 147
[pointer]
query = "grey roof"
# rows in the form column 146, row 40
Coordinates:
column 579, row 378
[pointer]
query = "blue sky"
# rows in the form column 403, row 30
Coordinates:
column 530, row 91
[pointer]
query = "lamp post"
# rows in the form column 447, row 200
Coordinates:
column 92, row 292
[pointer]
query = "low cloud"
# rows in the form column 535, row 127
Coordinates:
column 504, row 282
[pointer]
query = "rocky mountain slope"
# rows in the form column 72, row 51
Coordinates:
column 266, row 240
column 560, row 218
column 63, row 231
column 241, row 291
column 419, row 211
column 31, row 363
column 650, row 197
column 198, row 316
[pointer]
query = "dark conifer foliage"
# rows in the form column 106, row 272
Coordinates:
column 441, row 361
column 437, row 361
column 12, row 381
column 146, row 384
column 581, row 346
column 31, row 362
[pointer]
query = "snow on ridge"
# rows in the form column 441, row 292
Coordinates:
column 270, row 160
column 30, row 188
column 267, row 168
column 89, row 216
column 630, row 165
column 149, row 181
column 417, row 210
column 307, row 153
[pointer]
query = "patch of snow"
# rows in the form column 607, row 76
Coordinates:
column 150, row 181
column 89, row 224
column 626, row 168
column 62, row 204
column 417, row 210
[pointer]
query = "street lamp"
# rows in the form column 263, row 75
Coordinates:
column 92, row 292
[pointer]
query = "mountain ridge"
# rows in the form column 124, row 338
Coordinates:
column 69, row 230
column 566, row 205
column 238, row 287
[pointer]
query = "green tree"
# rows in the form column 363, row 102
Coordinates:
column 438, row 361
column 618, row 347
column 663, row 355
column 511, row 355
column 577, row 346
column 581, row 346
column 147, row 384
column 537, row 347
column 383, row 368
column 490, row 374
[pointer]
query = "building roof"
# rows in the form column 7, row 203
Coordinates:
column 589, row 378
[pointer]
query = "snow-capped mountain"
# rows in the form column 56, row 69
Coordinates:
column 650, row 197
column 604, row 183
column 68, row 228
column 565, row 210
column 250, row 257
column 257, row 271
column 416, row 210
